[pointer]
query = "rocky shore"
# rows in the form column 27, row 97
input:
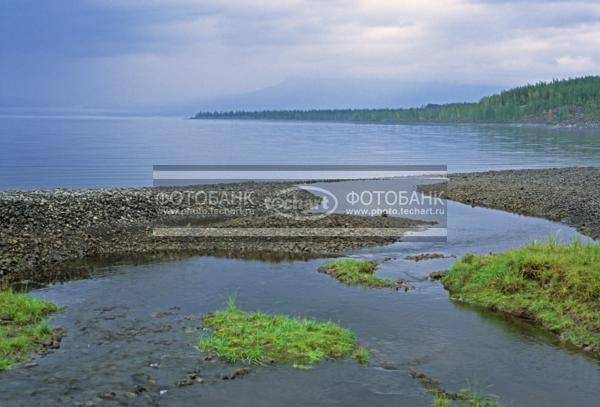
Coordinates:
column 44, row 232
column 567, row 195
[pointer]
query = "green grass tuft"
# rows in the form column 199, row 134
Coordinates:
column 444, row 398
column 21, row 328
column 260, row 338
column 462, row 399
column 441, row 400
column 356, row 272
column 556, row 285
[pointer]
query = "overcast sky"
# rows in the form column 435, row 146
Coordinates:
column 137, row 53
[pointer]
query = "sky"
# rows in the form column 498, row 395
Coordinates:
column 144, row 54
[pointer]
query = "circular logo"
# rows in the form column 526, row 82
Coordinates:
column 295, row 202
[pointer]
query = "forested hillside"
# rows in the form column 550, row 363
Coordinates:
column 570, row 101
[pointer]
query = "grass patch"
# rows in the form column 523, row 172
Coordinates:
column 22, row 330
column 441, row 401
column 463, row 399
column 260, row 338
column 444, row 398
column 356, row 272
column 556, row 285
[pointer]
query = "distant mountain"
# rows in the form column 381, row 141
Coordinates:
column 571, row 101
column 343, row 93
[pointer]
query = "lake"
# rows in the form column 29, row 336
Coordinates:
column 52, row 152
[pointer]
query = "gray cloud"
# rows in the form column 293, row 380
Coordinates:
column 138, row 53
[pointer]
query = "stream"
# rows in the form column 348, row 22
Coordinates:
column 132, row 329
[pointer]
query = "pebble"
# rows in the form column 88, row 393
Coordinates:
column 108, row 395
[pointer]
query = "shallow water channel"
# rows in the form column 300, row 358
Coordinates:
column 133, row 329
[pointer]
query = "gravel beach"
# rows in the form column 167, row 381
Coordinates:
column 44, row 232
column 567, row 195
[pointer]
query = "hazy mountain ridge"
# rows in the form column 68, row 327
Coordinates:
column 325, row 93
column 570, row 102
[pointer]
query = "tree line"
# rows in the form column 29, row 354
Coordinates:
column 559, row 101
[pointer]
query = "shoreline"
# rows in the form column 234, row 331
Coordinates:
column 548, row 284
column 55, row 234
column 568, row 195
column 587, row 126
column 44, row 233
column 543, row 270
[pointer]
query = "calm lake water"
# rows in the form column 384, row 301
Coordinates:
column 107, row 152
